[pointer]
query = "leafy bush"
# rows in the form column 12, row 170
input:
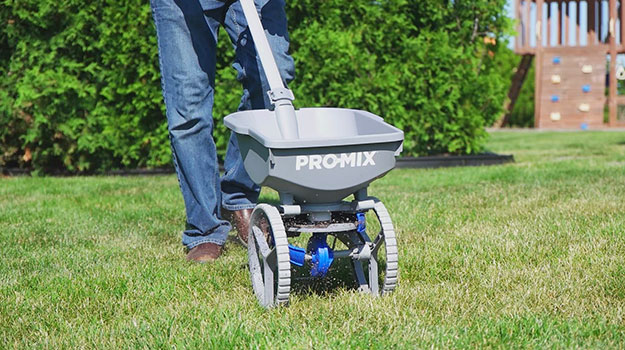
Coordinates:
column 80, row 88
column 423, row 65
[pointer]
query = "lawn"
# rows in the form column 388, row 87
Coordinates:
column 525, row 255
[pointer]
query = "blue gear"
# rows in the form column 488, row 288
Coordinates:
column 362, row 222
column 322, row 255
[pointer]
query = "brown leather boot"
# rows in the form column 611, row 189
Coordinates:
column 204, row 253
column 240, row 219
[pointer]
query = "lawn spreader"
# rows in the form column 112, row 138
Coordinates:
column 315, row 158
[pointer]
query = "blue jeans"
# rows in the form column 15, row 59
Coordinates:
column 187, row 43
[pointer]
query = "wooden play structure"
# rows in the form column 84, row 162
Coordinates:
column 574, row 45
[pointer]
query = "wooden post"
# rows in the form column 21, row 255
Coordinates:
column 538, row 63
column 612, row 35
column 515, row 88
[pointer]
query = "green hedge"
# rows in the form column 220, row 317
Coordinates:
column 80, row 88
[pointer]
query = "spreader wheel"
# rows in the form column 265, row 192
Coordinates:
column 384, row 240
column 268, row 256
column 382, row 264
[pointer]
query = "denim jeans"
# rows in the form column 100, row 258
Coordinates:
column 187, row 42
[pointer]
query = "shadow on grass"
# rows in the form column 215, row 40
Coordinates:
column 339, row 277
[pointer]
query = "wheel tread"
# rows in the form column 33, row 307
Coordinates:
column 390, row 241
column 283, row 272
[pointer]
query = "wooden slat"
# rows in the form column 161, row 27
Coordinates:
column 559, row 23
column 519, row 27
column 592, row 34
column 538, row 65
column 567, row 20
column 527, row 8
column 622, row 25
column 599, row 21
column 578, row 21
column 560, row 16
column 549, row 15
column 613, row 82
column 604, row 31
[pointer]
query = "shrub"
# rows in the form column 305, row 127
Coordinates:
column 80, row 88
column 422, row 65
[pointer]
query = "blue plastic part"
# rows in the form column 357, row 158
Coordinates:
column 297, row 255
column 584, row 126
column 586, row 88
column 555, row 98
column 322, row 255
column 556, row 60
column 362, row 223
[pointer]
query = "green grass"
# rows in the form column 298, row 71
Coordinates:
column 526, row 255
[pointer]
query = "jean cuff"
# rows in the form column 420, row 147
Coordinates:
column 218, row 236
column 238, row 206
column 205, row 240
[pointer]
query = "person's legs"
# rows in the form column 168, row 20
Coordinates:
column 187, row 40
column 238, row 190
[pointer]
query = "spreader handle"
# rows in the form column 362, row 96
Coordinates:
column 280, row 96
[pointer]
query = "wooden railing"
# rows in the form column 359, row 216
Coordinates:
column 545, row 23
